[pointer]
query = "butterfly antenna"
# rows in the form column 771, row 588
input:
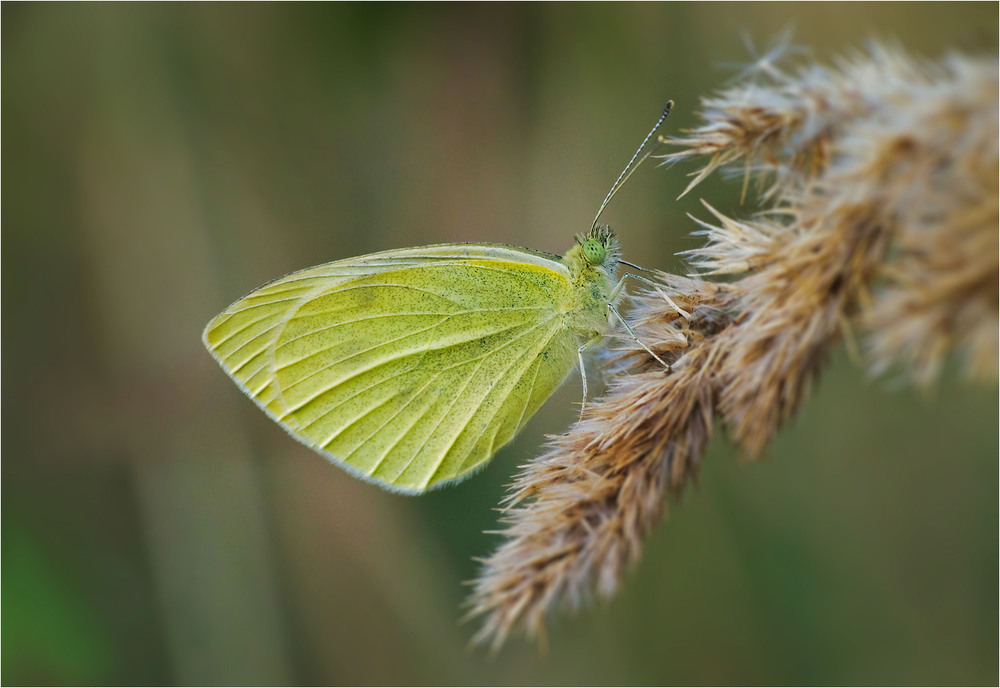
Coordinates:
column 637, row 159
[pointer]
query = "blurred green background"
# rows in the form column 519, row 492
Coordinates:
column 164, row 159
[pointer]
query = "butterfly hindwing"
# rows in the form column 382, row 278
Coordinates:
column 410, row 368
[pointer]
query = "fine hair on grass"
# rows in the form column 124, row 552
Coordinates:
column 877, row 181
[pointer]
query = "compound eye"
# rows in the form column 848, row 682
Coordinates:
column 594, row 251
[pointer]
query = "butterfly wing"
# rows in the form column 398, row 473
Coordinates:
column 410, row 368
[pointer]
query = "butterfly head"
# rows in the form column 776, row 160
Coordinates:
column 600, row 248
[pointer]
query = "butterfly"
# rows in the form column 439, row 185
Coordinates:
column 411, row 368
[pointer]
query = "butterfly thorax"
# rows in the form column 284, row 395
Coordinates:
column 592, row 263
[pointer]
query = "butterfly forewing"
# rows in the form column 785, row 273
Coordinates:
column 408, row 367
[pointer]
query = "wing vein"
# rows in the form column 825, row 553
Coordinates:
column 398, row 357
column 498, row 406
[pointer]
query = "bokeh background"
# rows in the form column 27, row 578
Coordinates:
column 163, row 159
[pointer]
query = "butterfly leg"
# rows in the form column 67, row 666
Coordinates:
column 621, row 283
column 583, row 371
column 615, row 293
column 637, row 340
column 583, row 378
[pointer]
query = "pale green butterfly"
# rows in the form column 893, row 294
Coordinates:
column 411, row 368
